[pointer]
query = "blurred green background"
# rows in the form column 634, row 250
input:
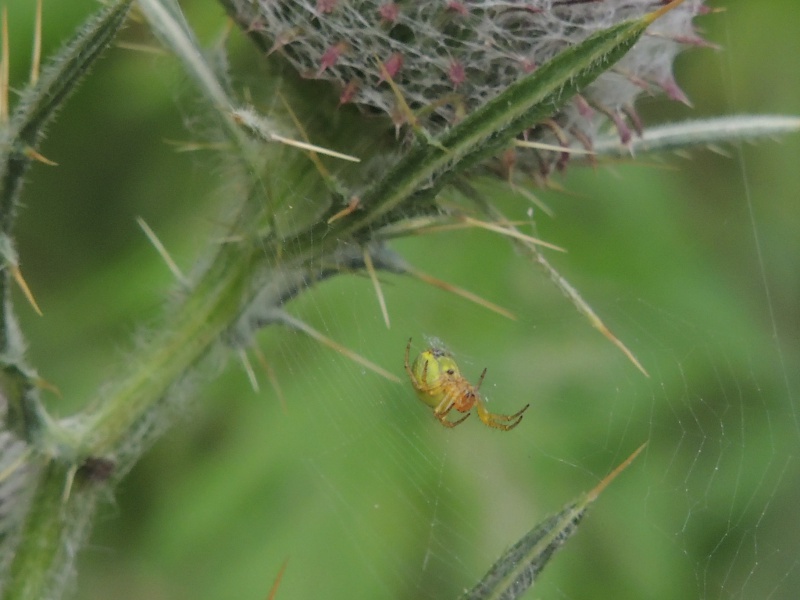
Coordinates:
column 692, row 261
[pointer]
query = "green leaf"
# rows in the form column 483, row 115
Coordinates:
column 518, row 568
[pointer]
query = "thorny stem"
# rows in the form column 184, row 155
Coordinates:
column 118, row 422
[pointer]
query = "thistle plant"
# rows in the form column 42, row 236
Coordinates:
column 415, row 103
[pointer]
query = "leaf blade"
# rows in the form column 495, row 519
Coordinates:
column 516, row 570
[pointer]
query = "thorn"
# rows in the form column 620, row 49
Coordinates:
column 636, row 80
column 623, row 130
column 584, row 108
column 313, row 148
column 329, row 179
column 307, row 145
column 634, row 119
column 562, row 140
column 290, row 321
column 273, row 379
column 283, row 38
column 388, row 71
column 46, row 385
column 585, row 309
column 260, row 128
column 144, row 48
column 601, row 327
column 191, row 146
column 23, row 285
column 347, row 210
column 510, row 232
column 553, row 147
column 376, row 284
column 312, row 155
column 162, row 251
column 429, row 225
column 34, row 155
column 419, row 225
column 508, row 162
column 448, row 287
column 348, row 92
column 650, row 17
column 331, row 56
column 674, row 92
column 248, row 368
column 274, row 589
column 586, row 142
column 594, row 493
column 571, row 293
column 36, row 57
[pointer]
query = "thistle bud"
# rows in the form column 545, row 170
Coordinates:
column 447, row 58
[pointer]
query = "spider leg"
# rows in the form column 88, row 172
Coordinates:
column 408, row 366
column 503, row 422
column 480, row 381
column 444, row 408
column 454, row 423
column 442, row 417
column 510, row 417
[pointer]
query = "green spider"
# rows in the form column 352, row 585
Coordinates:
column 439, row 384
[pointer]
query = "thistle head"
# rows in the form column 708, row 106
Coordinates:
column 448, row 57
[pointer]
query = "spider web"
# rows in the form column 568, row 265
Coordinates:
column 361, row 493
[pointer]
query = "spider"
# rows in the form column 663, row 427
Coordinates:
column 439, row 384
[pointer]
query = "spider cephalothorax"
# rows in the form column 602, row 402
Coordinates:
column 439, row 384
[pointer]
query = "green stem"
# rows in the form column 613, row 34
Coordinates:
column 122, row 421
column 202, row 319
column 114, row 427
column 54, row 529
